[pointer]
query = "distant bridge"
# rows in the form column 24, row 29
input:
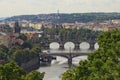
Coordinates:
column 61, row 45
column 69, row 55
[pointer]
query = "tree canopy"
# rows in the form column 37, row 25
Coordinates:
column 12, row 71
column 34, row 75
column 103, row 64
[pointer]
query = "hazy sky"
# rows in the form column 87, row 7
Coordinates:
column 21, row 7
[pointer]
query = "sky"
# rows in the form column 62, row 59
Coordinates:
column 10, row 8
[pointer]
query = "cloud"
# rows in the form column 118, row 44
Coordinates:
column 18, row 7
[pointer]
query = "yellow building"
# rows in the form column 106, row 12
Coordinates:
column 105, row 29
column 4, row 39
column 31, row 25
column 37, row 25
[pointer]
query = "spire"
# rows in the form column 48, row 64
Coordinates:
column 58, row 16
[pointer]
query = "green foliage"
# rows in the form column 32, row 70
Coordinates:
column 21, row 56
column 3, row 55
column 69, row 75
column 11, row 71
column 8, row 28
column 34, row 75
column 4, row 48
column 23, row 37
column 36, row 48
column 13, row 49
column 104, row 63
column 27, row 44
column 63, row 34
column 24, row 55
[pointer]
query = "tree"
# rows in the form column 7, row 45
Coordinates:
column 69, row 75
column 4, row 48
column 36, row 48
column 3, row 55
column 11, row 71
column 34, row 75
column 104, row 63
column 27, row 44
column 23, row 37
column 21, row 56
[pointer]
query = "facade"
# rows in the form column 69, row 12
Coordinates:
column 37, row 25
column 4, row 39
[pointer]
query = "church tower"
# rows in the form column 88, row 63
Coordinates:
column 17, row 29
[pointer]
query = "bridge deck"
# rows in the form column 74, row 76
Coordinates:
column 66, row 51
column 66, row 54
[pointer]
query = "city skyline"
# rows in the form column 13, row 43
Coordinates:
column 26, row 7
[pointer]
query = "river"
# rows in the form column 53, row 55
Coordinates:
column 58, row 67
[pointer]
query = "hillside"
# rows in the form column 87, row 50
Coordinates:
column 70, row 18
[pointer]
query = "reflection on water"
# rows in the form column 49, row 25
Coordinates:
column 53, row 72
column 58, row 67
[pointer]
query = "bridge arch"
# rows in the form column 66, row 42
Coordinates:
column 54, row 45
column 76, row 60
column 96, row 46
column 59, row 60
column 84, row 45
column 69, row 46
column 81, row 57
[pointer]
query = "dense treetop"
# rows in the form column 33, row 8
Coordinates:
column 11, row 71
column 103, row 64
column 63, row 35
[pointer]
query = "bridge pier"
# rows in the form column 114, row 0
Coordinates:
column 46, row 59
column 70, row 62
column 61, row 47
column 92, row 46
column 77, row 46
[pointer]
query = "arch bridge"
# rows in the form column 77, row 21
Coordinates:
column 49, row 57
column 77, row 44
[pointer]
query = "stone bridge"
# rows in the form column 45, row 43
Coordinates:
column 61, row 45
column 49, row 57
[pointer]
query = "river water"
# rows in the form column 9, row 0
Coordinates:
column 60, row 65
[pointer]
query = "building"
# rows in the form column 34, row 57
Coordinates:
column 4, row 39
column 11, row 24
column 37, row 25
column 24, row 23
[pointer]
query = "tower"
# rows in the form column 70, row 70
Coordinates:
column 17, row 28
column 58, row 17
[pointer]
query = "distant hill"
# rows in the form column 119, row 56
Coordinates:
column 2, row 19
column 70, row 18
